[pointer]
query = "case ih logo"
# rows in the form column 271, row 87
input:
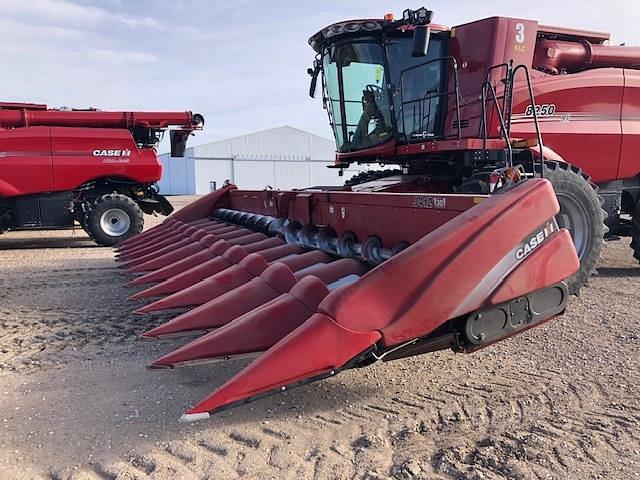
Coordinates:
column 111, row 153
column 536, row 240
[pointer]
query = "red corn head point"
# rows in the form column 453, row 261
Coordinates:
column 185, row 237
column 213, row 265
column 146, row 235
column 316, row 300
column 208, row 251
column 243, row 288
column 168, row 225
column 146, row 239
column 255, row 331
column 184, row 249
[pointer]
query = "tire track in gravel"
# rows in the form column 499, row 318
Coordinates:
column 557, row 402
column 455, row 412
column 527, row 436
column 67, row 309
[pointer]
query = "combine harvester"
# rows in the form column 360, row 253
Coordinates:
column 468, row 243
column 96, row 168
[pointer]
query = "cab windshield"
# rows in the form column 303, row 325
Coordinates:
column 355, row 73
column 362, row 96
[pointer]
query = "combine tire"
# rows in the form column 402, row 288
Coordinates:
column 370, row 175
column 113, row 218
column 581, row 213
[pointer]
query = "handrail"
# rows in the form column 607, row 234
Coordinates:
column 503, row 128
column 505, row 80
column 507, row 105
column 533, row 111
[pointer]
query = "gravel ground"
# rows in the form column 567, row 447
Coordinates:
column 558, row 402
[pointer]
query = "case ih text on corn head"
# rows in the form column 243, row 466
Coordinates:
column 485, row 96
column 99, row 169
column 302, row 279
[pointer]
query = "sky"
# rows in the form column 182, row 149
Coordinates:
column 240, row 63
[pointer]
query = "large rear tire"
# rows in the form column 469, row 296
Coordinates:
column 113, row 218
column 581, row 213
column 370, row 175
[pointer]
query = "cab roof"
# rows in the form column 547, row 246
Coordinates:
column 362, row 25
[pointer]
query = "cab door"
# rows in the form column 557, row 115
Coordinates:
column 26, row 165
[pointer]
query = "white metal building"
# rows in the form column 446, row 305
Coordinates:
column 282, row 158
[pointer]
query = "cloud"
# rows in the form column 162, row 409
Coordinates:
column 65, row 12
column 242, row 63
column 119, row 56
column 52, row 44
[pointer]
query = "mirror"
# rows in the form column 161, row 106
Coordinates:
column 178, row 142
column 314, row 79
column 420, row 40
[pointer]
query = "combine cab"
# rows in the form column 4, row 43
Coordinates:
column 479, row 235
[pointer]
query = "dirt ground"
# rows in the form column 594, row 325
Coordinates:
column 558, row 402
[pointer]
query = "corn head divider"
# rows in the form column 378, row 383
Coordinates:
column 317, row 282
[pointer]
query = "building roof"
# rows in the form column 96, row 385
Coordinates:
column 280, row 143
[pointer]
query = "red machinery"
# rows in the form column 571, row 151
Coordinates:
column 318, row 280
column 482, row 96
column 97, row 168
column 292, row 280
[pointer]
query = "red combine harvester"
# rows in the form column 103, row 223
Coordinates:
column 99, row 169
column 467, row 243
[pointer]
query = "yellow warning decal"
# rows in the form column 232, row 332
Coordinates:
column 378, row 74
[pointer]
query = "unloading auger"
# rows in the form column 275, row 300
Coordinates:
column 315, row 282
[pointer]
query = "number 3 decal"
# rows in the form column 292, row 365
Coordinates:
column 519, row 32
